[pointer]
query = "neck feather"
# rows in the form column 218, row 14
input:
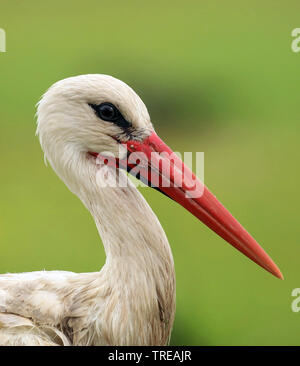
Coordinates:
column 139, row 261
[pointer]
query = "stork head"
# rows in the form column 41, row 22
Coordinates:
column 90, row 113
column 89, row 116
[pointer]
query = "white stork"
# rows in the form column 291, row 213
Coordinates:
column 131, row 301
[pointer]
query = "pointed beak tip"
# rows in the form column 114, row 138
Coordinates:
column 275, row 271
column 280, row 276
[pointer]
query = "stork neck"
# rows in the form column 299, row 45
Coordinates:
column 139, row 270
column 129, row 229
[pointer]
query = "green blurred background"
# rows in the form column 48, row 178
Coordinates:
column 218, row 77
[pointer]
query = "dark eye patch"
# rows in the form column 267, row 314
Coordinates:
column 110, row 113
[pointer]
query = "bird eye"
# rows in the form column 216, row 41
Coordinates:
column 109, row 112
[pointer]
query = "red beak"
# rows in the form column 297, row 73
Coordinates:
column 153, row 162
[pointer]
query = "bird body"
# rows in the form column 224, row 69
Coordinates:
column 131, row 300
column 135, row 289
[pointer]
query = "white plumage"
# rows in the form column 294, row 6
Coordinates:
column 131, row 301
